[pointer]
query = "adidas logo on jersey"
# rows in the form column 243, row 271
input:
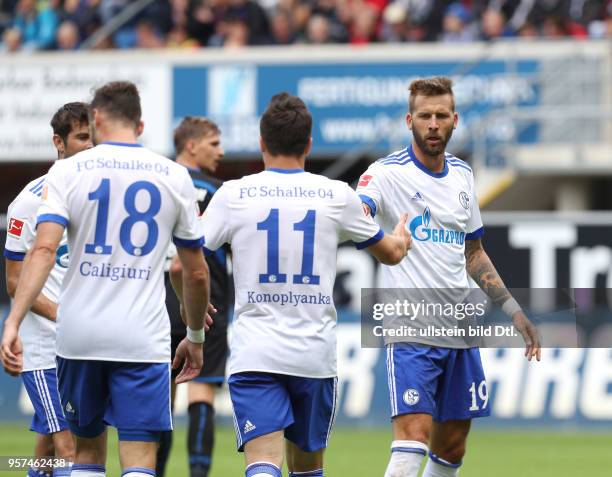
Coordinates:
column 69, row 407
column 417, row 196
column 249, row 426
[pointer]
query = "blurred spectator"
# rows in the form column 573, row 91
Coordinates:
column 7, row 12
column 528, row 30
column 283, row 32
column 37, row 27
column 396, row 24
column 179, row 38
column 318, row 30
column 493, row 25
column 232, row 32
column 148, row 36
column 457, row 26
column 364, row 25
column 11, row 41
column 84, row 14
column 67, row 37
column 253, row 17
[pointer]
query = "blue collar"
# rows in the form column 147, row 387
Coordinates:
column 285, row 171
column 425, row 169
column 124, row 144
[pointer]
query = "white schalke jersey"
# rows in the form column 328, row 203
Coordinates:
column 284, row 227
column 36, row 332
column 442, row 213
column 122, row 204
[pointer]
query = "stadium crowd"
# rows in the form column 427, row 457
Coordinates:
column 27, row 25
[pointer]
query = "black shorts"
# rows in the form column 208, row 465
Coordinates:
column 215, row 352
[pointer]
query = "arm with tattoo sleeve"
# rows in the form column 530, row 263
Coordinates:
column 483, row 272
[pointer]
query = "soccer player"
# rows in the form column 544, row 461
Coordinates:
column 284, row 226
column 71, row 134
column 121, row 205
column 198, row 147
column 435, row 391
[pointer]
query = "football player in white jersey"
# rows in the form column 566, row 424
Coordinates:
column 71, row 134
column 435, row 391
column 284, row 226
column 121, row 205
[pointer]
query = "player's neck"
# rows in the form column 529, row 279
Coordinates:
column 187, row 162
column 434, row 163
column 283, row 162
column 123, row 135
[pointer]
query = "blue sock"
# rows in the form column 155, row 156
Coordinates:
column 62, row 471
column 32, row 472
column 310, row 473
column 88, row 470
column 138, row 472
column 263, row 469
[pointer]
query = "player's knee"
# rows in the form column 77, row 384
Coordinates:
column 453, row 452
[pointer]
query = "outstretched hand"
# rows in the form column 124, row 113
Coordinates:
column 530, row 335
column 193, row 357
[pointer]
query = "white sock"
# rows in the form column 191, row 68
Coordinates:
column 138, row 472
column 437, row 467
column 406, row 458
column 87, row 470
column 262, row 469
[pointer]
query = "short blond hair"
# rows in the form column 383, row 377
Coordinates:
column 436, row 86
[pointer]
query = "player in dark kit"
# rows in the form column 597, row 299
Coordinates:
column 198, row 148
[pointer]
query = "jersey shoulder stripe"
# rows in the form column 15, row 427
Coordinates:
column 395, row 157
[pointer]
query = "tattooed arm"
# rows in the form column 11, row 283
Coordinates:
column 483, row 272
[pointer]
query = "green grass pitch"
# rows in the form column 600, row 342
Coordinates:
column 364, row 453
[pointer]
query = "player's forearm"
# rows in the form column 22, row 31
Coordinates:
column 36, row 267
column 483, row 272
column 195, row 294
column 44, row 307
column 176, row 278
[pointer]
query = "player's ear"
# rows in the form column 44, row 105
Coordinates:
column 409, row 121
column 59, row 144
column 308, row 147
column 455, row 119
column 139, row 128
column 262, row 145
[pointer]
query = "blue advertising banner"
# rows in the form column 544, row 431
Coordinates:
column 354, row 105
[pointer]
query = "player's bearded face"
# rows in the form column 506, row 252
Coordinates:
column 433, row 122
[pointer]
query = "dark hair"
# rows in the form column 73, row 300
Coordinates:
column 192, row 127
column 437, row 86
column 120, row 100
column 286, row 126
column 69, row 115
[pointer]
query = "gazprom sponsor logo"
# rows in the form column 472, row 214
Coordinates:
column 61, row 256
column 420, row 230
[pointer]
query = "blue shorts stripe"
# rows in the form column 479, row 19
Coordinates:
column 334, row 411
column 43, row 380
column 45, row 403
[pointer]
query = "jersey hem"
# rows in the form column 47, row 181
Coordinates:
column 284, row 373
column 114, row 358
column 38, row 368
